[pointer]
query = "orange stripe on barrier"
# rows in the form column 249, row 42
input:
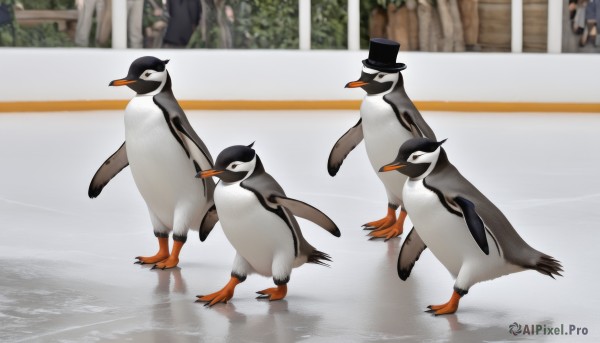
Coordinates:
column 448, row 106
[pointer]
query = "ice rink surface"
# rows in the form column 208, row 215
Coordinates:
column 66, row 262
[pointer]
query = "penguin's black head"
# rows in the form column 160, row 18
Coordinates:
column 375, row 81
column 415, row 157
column 233, row 164
column 146, row 74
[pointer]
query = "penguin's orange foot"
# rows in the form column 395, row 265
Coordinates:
column 450, row 307
column 222, row 296
column 382, row 223
column 433, row 308
column 170, row 262
column 152, row 259
column 272, row 294
column 388, row 233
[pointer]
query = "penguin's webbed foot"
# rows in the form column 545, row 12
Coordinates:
column 380, row 224
column 151, row 259
column 390, row 232
column 167, row 263
column 222, row 296
column 447, row 308
column 275, row 293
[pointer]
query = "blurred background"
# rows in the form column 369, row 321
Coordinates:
column 419, row 25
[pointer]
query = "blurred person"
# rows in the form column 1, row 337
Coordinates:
column 106, row 24
column 469, row 13
column 85, row 15
column 184, row 18
column 155, row 22
column 135, row 14
column 578, row 17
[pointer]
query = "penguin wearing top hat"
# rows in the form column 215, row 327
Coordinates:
column 388, row 118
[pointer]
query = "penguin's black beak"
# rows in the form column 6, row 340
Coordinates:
column 393, row 166
column 121, row 82
column 208, row 173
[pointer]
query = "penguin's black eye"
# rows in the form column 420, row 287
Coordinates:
column 233, row 166
column 380, row 76
column 147, row 74
column 416, row 156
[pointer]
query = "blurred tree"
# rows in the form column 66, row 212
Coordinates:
column 266, row 24
column 248, row 24
column 329, row 24
column 43, row 35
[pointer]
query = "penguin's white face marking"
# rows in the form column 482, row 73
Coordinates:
column 381, row 76
column 239, row 167
column 153, row 75
column 156, row 76
column 421, row 157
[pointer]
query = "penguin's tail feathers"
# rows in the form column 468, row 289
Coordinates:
column 318, row 257
column 548, row 265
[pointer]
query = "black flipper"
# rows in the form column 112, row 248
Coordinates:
column 474, row 223
column 208, row 222
column 306, row 211
column 411, row 249
column 407, row 113
column 109, row 169
column 343, row 147
column 181, row 128
column 184, row 134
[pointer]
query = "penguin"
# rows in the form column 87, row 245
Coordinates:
column 388, row 118
column 164, row 153
column 461, row 227
column 258, row 220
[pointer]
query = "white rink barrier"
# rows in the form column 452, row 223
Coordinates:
column 46, row 75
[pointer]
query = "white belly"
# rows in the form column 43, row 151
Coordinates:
column 162, row 171
column 257, row 234
column 449, row 238
column 383, row 137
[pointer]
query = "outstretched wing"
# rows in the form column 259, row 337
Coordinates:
column 412, row 248
column 306, row 211
column 343, row 146
column 111, row 167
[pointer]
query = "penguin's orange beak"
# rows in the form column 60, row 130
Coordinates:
column 208, row 173
column 121, row 82
column 356, row 84
column 392, row 166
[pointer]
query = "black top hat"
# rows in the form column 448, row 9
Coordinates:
column 382, row 55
